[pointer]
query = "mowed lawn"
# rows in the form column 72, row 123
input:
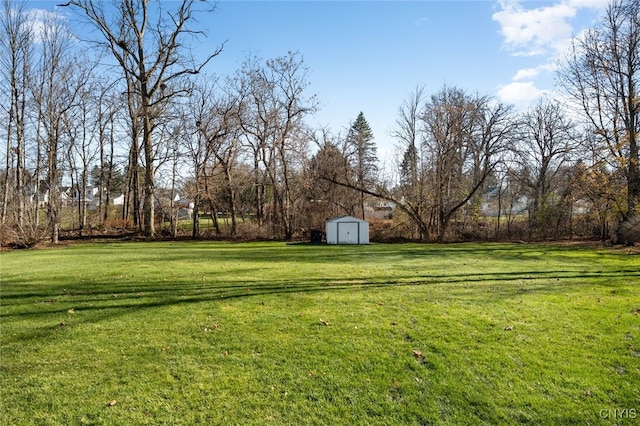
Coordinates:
column 182, row 333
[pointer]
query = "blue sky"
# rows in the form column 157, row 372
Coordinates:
column 369, row 55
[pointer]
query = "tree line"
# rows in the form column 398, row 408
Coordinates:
column 137, row 115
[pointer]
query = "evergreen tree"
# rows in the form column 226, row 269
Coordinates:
column 363, row 155
column 409, row 168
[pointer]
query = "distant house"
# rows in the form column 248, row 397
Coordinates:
column 347, row 230
column 185, row 208
column 170, row 203
column 66, row 195
column 491, row 207
column 91, row 196
column 379, row 209
column 43, row 195
column 117, row 199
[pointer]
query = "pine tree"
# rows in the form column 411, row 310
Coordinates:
column 409, row 168
column 363, row 155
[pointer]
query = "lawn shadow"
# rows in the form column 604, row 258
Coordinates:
column 108, row 297
column 107, row 300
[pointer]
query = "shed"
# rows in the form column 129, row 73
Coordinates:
column 347, row 230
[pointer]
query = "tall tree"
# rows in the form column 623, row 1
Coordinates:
column 217, row 121
column 329, row 166
column 464, row 136
column 408, row 131
column 602, row 190
column 274, row 103
column 16, row 46
column 602, row 74
column 81, row 130
column 362, row 152
column 547, row 144
column 108, row 178
column 61, row 80
column 148, row 46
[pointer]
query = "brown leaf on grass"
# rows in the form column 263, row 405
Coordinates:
column 62, row 324
column 111, row 403
column 508, row 328
column 323, row 322
column 417, row 353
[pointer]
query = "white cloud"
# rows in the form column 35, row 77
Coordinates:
column 519, row 93
column 544, row 29
column 530, row 73
column 531, row 30
column 526, row 74
column 592, row 4
column 530, row 53
column 40, row 19
column 535, row 31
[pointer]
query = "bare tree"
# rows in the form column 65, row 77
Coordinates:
column 196, row 149
column 16, row 45
column 329, row 165
column 547, row 144
column 414, row 181
column 602, row 74
column 106, row 110
column 148, row 45
column 61, row 82
column 217, row 122
column 603, row 190
column 82, row 129
column 273, row 107
column 464, row 137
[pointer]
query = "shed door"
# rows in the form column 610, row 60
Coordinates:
column 347, row 233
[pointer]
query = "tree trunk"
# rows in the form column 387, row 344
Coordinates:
column 259, row 191
column 232, row 198
column 54, row 197
column 195, row 228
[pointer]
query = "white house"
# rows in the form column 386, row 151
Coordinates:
column 117, row 199
column 347, row 230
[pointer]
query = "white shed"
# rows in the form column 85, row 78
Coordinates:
column 347, row 230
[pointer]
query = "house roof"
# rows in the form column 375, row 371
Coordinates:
column 346, row 218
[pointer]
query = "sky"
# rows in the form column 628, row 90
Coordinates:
column 370, row 55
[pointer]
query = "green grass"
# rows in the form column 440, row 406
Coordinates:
column 269, row 333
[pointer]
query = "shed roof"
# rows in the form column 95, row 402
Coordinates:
column 346, row 218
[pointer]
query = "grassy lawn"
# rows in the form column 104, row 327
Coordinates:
column 268, row 333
